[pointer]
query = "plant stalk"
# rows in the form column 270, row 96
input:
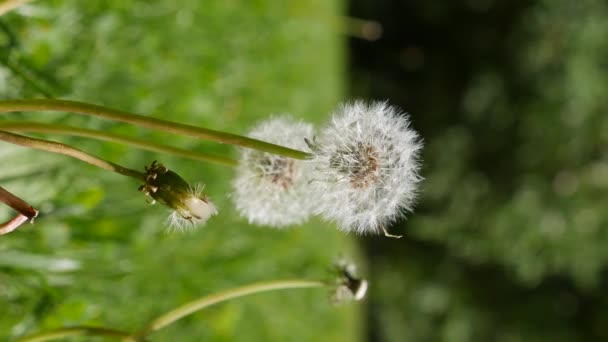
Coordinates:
column 55, row 147
column 111, row 137
column 148, row 122
column 17, row 203
column 25, row 211
column 204, row 302
column 12, row 224
column 74, row 331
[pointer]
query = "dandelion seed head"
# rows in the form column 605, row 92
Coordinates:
column 366, row 167
column 270, row 189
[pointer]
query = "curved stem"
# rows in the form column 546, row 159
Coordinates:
column 12, row 224
column 74, row 331
column 201, row 303
column 56, row 147
column 25, row 211
column 17, row 203
column 90, row 133
column 148, row 122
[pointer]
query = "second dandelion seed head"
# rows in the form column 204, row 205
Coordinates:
column 271, row 189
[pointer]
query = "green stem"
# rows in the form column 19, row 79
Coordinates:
column 74, row 331
column 55, row 147
column 201, row 303
column 90, row 133
column 148, row 122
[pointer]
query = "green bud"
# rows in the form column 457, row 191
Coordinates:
column 191, row 206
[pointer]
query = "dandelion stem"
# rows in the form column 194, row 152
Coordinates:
column 56, row 147
column 25, row 211
column 12, row 224
column 61, row 333
column 204, row 302
column 106, row 136
column 148, row 122
column 17, row 203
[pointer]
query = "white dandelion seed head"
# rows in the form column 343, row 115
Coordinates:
column 366, row 167
column 194, row 210
column 270, row 189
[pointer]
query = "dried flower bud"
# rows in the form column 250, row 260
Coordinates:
column 190, row 205
column 349, row 286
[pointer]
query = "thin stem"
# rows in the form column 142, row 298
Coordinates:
column 74, row 331
column 12, row 224
column 56, row 147
column 204, row 302
column 148, row 122
column 17, row 203
column 106, row 136
column 26, row 212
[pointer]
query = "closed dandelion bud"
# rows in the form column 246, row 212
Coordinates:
column 349, row 286
column 270, row 189
column 366, row 167
column 190, row 205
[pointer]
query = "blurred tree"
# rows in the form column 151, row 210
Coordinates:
column 508, row 96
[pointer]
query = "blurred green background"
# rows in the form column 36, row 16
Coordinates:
column 508, row 240
column 98, row 254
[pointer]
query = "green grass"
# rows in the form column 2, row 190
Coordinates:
column 217, row 64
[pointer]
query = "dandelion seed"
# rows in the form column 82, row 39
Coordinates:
column 270, row 189
column 190, row 205
column 366, row 165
